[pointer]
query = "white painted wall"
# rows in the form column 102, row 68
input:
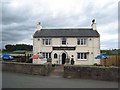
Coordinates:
column 93, row 47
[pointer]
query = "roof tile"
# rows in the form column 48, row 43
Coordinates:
column 81, row 32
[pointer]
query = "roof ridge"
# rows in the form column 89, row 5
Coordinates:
column 66, row 28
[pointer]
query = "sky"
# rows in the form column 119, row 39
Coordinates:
column 20, row 17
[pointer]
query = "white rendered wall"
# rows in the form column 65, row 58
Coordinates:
column 93, row 47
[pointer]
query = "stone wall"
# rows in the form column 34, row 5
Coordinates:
column 27, row 68
column 91, row 72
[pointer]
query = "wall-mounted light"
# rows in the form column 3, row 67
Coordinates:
column 38, row 39
column 90, row 39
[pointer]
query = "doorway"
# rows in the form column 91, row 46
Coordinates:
column 63, row 58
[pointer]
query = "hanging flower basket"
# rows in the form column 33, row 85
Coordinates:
column 35, row 56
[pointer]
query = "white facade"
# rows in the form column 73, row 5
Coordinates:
column 92, row 48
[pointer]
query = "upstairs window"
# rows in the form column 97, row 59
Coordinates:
column 46, row 41
column 63, row 41
column 82, row 41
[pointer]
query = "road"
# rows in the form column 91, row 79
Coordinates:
column 17, row 80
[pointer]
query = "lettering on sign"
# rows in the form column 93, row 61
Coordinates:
column 64, row 48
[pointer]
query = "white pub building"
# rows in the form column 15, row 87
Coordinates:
column 80, row 44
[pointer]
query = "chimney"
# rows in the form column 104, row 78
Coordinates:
column 39, row 27
column 94, row 25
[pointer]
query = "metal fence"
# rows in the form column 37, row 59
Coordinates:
column 114, row 60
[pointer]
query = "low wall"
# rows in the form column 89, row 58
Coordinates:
column 91, row 72
column 27, row 68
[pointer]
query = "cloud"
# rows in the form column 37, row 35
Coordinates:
column 14, row 15
column 19, row 18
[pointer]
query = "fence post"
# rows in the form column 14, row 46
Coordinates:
column 116, row 60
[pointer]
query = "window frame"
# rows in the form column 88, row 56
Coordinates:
column 46, row 55
column 55, row 56
column 46, row 41
column 62, row 40
column 82, row 56
column 82, row 41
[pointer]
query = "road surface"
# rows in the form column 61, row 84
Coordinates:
column 17, row 80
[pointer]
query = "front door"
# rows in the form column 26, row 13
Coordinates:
column 63, row 58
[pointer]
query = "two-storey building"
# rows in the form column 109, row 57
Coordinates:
column 80, row 44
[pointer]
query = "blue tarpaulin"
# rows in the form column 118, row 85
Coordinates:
column 102, row 56
column 6, row 56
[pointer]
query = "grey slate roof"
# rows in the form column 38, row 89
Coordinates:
column 66, row 32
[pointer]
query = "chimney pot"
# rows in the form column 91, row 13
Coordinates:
column 39, row 27
column 94, row 25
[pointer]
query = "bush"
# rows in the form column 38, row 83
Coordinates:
column 95, row 64
column 53, row 65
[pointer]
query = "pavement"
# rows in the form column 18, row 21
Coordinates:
column 17, row 80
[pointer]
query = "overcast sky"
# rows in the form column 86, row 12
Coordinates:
column 19, row 18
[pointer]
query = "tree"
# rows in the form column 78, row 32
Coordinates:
column 10, row 47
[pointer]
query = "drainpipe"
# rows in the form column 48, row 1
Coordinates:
column 93, row 51
column 59, row 59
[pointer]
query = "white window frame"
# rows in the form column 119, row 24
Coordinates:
column 46, row 55
column 65, row 41
column 55, row 56
column 82, row 41
column 47, row 41
column 83, row 56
